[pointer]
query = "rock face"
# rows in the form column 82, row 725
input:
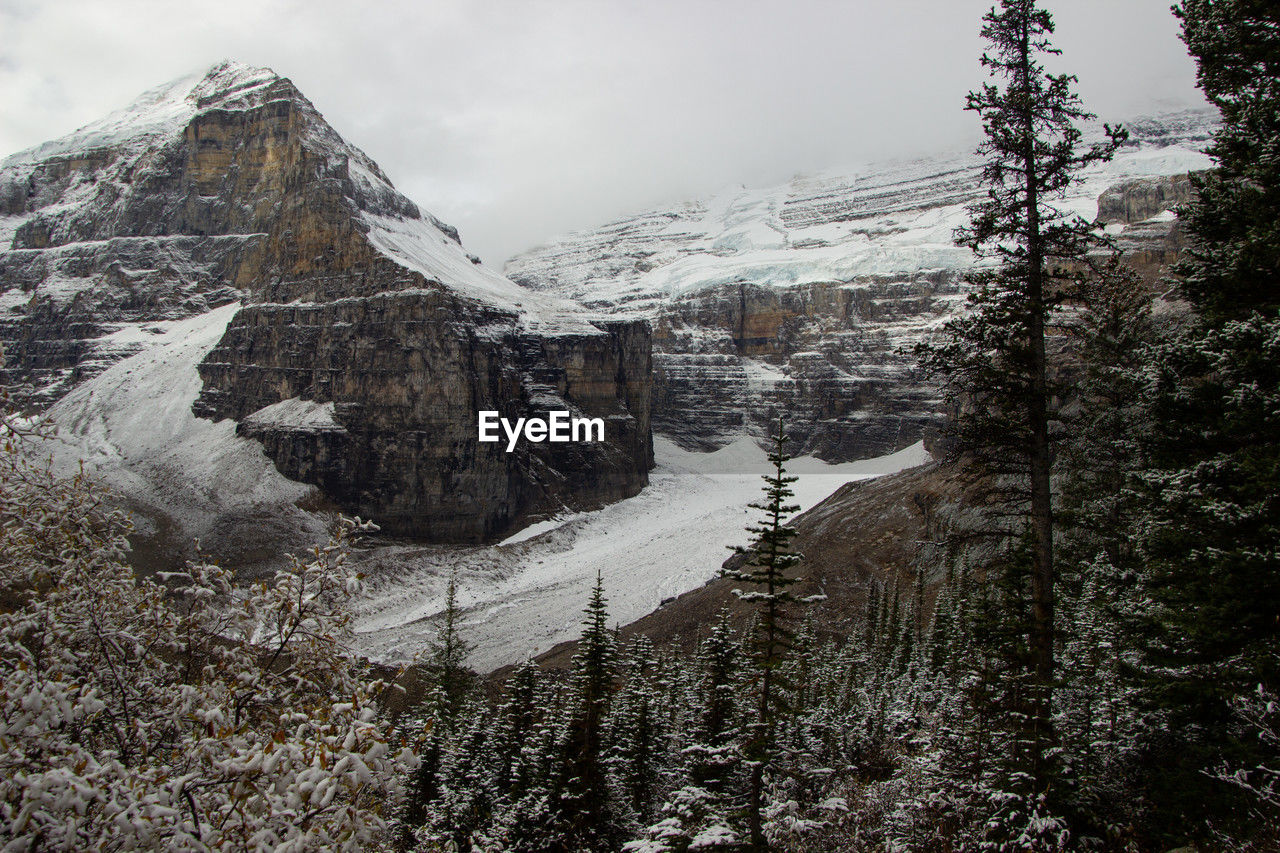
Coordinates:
column 368, row 338
column 402, row 376
column 806, row 298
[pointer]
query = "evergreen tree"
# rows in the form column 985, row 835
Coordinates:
column 701, row 814
column 1234, row 222
column 582, row 807
column 518, row 718
column 449, row 684
column 446, row 661
column 764, row 565
column 638, row 729
column 996, row 357
column 1114, row 331
column 1102, row 456
column 712, row 752
column 1212, row 516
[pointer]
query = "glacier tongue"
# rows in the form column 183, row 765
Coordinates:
column 526, row 594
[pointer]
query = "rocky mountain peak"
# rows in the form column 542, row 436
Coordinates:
column 230, row 187
column 164, row 110
column 231, row 84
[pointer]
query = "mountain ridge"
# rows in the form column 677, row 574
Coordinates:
column 232, row 188
column 804, row 297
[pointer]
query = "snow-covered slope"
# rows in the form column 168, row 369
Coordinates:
column 803, row 296
column 526, row 594
column 885, row 219
column 185, row 478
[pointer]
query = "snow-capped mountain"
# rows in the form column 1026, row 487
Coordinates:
column 345, row 331
column 804, row 298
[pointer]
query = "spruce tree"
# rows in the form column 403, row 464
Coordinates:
column 701, row 814
column 1113, row 332
column 637, row 730
column 518, row 717
column 1095, row 706
column 996, row 358
column 582, row 808
column 764, row 565
column 1212, row 518
column 447, row 656
column 712, row 754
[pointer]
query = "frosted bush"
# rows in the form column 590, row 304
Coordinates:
column 194, row 717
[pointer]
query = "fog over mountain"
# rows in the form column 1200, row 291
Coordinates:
column 519, row 122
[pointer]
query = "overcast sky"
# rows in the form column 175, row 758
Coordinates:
column 518, row 120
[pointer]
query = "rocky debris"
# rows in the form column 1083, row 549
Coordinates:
column 807, row 298
column 368, row 337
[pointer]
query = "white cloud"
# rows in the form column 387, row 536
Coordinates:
column 520, row 120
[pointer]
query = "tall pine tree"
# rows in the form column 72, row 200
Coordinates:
column 996, row 358
column 764, row 565
column 583, row 805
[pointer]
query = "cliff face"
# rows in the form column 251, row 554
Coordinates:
column 807, row 298
column 368, row 338
column 375, row 399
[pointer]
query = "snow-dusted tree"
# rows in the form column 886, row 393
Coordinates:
column 638, row 730
column 712, row 750
column 434, row 725
column 195, row 717
column 1212, row 520
column 581, row 805
column 1258, row 720
column 517, row 720
column 764, row 565
column 702, row 814
column 693, row 819
column 1113, row 330
column 528, row 819
column 996, row 357
column 1100, row 460
column 447, row 655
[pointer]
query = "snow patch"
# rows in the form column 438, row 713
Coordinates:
column 418, row 245
column 295, row 413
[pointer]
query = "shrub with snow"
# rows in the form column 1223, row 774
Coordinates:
column 190, row 717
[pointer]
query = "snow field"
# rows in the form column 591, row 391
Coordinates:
column 526, row 594
column 133, row 428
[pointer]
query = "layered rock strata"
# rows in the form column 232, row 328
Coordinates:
column 368, row 337
column 807, row 298
column 375, row 399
